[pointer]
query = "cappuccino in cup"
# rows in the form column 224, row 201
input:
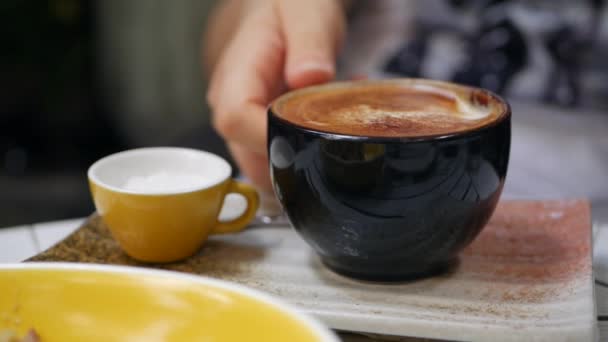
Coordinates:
column 389, row 179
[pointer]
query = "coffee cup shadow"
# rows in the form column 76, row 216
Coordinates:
column 336, row 280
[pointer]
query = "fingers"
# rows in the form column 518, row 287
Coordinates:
column 288, row 44
column 313, row 31
column 248, row 77
column 253, row 165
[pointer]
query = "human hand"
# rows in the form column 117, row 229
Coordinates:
column 278, row 45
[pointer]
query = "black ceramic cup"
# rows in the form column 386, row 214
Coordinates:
column 389, row 208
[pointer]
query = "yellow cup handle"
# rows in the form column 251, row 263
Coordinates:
column 239, row 223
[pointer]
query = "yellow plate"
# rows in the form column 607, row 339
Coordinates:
column 84, row 302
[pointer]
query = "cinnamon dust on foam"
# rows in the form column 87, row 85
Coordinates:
column 389, row 108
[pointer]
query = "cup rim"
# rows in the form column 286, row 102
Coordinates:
column 311, row 323
column 93, row 177
column 504, row 115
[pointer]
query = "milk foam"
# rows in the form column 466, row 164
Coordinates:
column 465, row 109
column 167, row 181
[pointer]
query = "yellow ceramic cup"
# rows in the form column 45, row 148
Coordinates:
column 162, row 203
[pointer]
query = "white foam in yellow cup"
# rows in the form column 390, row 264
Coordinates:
column 161, row 204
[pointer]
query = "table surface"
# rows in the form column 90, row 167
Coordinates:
column 22, row 242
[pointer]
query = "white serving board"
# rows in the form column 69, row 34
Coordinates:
column 528, row 277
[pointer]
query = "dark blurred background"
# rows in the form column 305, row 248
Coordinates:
column 80, row 79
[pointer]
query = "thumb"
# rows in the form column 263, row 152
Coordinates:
column 313, row 30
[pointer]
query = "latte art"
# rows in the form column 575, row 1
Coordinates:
column 402, row 108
